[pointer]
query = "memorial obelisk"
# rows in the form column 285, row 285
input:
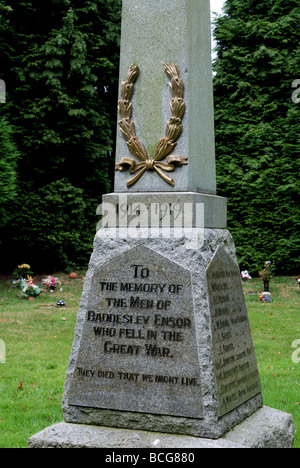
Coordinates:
column 165, row 137
column 163, row 336
column 162, row 341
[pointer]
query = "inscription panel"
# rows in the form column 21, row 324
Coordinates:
column 235, row 366
column 138, row 349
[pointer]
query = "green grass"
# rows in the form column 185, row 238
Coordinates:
column 38, row 338
column 275, row 327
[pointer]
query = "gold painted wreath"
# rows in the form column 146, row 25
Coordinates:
column 166, row 145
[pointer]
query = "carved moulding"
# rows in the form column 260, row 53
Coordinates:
column 166, row 145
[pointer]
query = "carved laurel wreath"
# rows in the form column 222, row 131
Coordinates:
column 166, row 145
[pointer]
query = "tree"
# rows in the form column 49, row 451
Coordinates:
column 8, row 163
column 50, row 229
column 257, row 128
column 62, row 79
column 5, row 10
column 61, row 109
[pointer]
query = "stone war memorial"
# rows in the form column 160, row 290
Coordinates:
column 163, row 355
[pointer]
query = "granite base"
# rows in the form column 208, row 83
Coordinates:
column 267, row 428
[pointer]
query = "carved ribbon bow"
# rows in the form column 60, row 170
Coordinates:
column 166, row 145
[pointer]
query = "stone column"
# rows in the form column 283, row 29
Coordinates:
column 178, row 32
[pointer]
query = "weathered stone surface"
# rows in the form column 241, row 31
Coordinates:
column 170, row 31
column 235, row 366
column 64, row 435
column 267, row 428
column 173, row 262
column 187, row 210
column 138, row 348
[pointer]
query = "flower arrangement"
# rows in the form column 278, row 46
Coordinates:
column 17, row 283
column 29, row 288
column 245, row 275
column 265, row 297
column 23, row 270
column 266, row 274
column 50, row 282
column 268, row 270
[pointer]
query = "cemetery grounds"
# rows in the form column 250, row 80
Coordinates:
column 38, row 337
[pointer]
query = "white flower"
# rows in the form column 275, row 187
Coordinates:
column 245, row 275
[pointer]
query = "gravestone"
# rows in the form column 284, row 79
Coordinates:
column 162, row 342
column 2, row 352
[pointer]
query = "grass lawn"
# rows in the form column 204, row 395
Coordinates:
column 275, row 327
column 38, row 337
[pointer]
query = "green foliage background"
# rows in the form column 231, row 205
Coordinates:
column 59, row 59
column 257, row 129
column 8, row 163
column 60, row 63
